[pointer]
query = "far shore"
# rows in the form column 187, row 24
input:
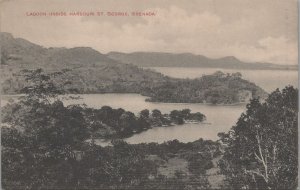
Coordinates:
column 7, row 96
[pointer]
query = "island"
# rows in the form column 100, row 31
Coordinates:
column 86, row 70
column 217, row 88
column 109, row 123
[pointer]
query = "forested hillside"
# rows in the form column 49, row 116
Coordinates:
column 218, row 88
column 48, row 145
column 93, row 72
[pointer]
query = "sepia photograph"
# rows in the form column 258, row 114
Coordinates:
column 149, row 95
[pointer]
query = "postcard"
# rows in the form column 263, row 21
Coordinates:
column 149, row 94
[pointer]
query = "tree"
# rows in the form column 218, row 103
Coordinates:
column 261, row 149
column 197, row 116
column 46, row 147
column 237, row 75
column 4, row 57
column 219, row 74
column 38, row 146
column 177, row 117
column 128, row 123
column 186, row 113
column 156, row 113
column 145, row 113
column 40, row 85
column 144, row 120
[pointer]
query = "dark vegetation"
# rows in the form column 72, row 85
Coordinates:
column 93, row 72
column 218, row 88
column 44, row 147
column 106, row 122
column 111, row 123
column 44, row 143
column 262, row 148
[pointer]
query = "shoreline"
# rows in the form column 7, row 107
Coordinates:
column 107, row 141
column 7, row 96
column 251, row 69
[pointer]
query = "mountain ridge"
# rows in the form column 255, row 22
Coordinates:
column 90, row 71
column 165, row 59
column 139, row 58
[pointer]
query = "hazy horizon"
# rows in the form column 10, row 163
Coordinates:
column 162, row 52
column 250, row 30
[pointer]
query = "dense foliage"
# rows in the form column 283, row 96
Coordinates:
column 87, row 166
column 106, row 122
column 262, row 148
column 103, row 123
column 218, row 88
column 44, row 146
column 93, row 72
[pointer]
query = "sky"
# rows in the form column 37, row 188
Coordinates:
column 251, row 30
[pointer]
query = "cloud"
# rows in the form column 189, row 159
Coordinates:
column 278, row 50
column 173, row 29
column 274, row 50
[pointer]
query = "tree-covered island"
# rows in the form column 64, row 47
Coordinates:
column 44, row 146
column 44, row 143
column 93, row 72
column 104, row 123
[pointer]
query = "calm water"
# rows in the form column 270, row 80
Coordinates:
column 219, row 118
column 269, row 80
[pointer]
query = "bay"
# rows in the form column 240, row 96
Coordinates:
column 220, row 118
column 268, row 80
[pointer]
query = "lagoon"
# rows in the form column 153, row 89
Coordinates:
column 220, row 118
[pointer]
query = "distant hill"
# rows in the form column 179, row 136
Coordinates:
column 158, row 59
column 17, row 51
column 89, row 71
